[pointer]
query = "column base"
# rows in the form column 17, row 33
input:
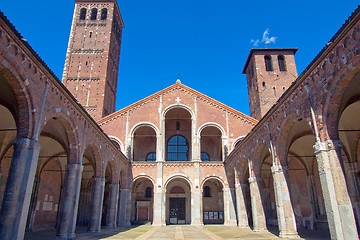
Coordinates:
column 196, row 223
column 289, row 235
column 264, row 230
column 66, row 236
column 158, row 224
column 230, row 224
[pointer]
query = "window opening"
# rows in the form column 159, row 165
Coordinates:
column 151, row 157
column 268, row 63
column 207, row 191
column 103, row 14
column 82, row 14
column 148, row 192
column 90, row 34
column 205, row 157
column 177, row 149
column 283, row 89
column 93, row 14
column 177, row 126
column 282, row 64
column 274, row 92
column 263, row 84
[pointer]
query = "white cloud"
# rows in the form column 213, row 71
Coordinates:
column 265, row 39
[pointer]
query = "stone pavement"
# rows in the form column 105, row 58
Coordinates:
column 177, row 232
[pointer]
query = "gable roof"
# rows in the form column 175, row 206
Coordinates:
column 178, row 84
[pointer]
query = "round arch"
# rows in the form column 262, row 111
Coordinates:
column 179, row 176
column 139, row 177
column 118, row 141
column 237, row 140
column 212, row 178
column 144, row 124
column 211, row 124
column 178, row 105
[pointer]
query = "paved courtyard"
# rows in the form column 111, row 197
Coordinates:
column 177, row 232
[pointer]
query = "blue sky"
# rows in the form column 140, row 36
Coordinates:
column 206, row 42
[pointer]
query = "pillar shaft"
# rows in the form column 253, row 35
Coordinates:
column 124, row 208
column 285, row 212
column 158, row 220
column 338, row 206
column 241, row 206
column 96, row 204
column 17, row 195
column 69, row 202
column 313, row 199
column 196, row 218
column 258, row 214
column 229, row 207
column 112, row 207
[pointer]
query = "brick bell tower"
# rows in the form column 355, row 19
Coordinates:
column 269, row 72
column 93, row 54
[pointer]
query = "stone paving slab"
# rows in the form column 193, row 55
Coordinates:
column 177, row 232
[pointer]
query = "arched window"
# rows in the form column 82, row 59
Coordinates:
column 93, row 14
column 103, row 14
column 151, row 157
column 282, row 64
column 177, row 149
column 207, row 191
column 268, row 63
column 205, row 157
column 148, row 192
column 82, row 14
column 263, row 84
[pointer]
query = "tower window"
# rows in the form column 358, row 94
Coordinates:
column 282, row 64
column 90, row 34
column 93, row 14
column 263, row 84
column 268, row 63
column 103, row 14
column 207, row 191
column 177, row 126
column 148, row 192
column 283, row 89
column 82, row 14
column 274, row 91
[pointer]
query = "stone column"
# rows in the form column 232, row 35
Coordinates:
column 338, row 206
column 112, row 208
column 158, row 197
column 242, row 216
column 313, row 199
column 229, row 207
column 17, row 194
column 196, row 218
column 258, row 214
column 69, row 202
column 125, row 208
column 285, row 212
column 96, row 204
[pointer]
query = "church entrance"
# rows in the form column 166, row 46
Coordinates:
column 177, row 211
column 178, row 202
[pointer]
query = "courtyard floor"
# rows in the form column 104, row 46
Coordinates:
column 178, row 232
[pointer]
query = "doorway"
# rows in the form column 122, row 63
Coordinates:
column 177, row 211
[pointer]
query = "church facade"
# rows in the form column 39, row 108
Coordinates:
column 177, row 156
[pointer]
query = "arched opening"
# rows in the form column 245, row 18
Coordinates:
column 268, row 63
column 49, row 177
column 178, row 202
column 8, row 131
column 142, row 201
column 144, row 143
column 282, row 63
column 87, row 180
column 268, row 193
column 93, row 15
column 82, row 14
column 211, row 143
column 213, row 202
column 104, row 13
column 178, row 135
column 305, row 189
column 349, row 135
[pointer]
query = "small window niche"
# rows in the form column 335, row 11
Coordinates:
column 282, row 63
column 103, row 14
column 93, row 14
column 268, row 63
column 82, row 14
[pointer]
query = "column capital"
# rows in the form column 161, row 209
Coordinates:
column 26, row 143
column 319, row 147
column 278, row 168
column 334, row 144
column 254, row 179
